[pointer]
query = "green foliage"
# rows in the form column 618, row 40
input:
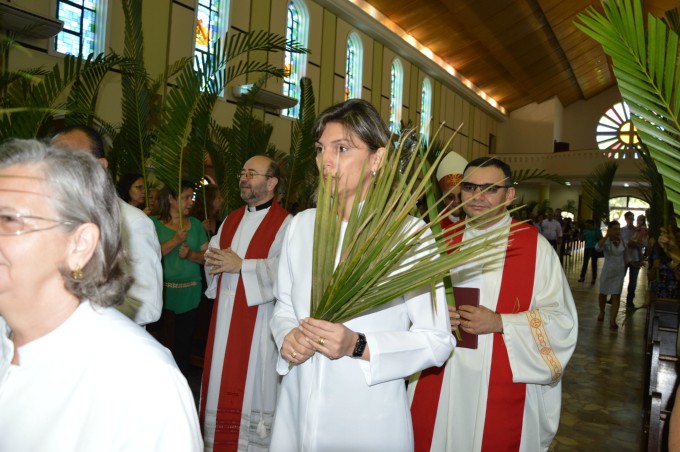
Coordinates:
column 230, row 147
column 598, row 186
column 386, row 253
column 528, row 174
column 300, row 164
column 653, row 192
column 70, row 88
column 646, row 67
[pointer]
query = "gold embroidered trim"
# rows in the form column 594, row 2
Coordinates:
column 543, row 344
column 172, row 285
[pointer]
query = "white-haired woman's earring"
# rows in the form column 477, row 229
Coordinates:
column 373, row 173
column 77, row 273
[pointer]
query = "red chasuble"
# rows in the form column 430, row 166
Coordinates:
column 237, row 353
column 505, row 404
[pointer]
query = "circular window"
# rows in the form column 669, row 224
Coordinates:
column 616, row 131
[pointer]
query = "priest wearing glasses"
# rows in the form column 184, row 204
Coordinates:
column 504, row 394
column 240, row 381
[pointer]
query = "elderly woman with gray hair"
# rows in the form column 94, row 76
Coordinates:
column 75, row 374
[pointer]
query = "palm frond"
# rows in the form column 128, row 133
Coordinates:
column 598, row 185
column 652, row 190
column 386, row 252
column 45, row 97
column 646, row 66
column 528, row 174
column 301, row 163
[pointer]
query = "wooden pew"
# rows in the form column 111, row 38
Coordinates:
column 661, row 376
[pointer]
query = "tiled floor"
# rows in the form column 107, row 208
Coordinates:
column 603, row 383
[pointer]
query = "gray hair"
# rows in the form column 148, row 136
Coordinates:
column 82, row 192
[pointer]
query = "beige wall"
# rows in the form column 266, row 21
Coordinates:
column 168, row 33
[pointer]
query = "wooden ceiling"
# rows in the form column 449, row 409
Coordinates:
column 517, row 51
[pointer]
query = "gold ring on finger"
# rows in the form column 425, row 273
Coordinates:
column 293, row 354
column 322, row 340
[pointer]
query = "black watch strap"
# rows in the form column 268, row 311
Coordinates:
column 360, row 346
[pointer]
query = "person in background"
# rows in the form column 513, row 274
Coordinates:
column 506, row 393
column 130, row 188
column 183, row 242
column 144, row 300
column 343, row 383
column 449, row 175
column 75, row 374
column 613, row 271
column 591, row 235
column 632, row 256
column 240, row 382
column 208, row 208
column 551, row 229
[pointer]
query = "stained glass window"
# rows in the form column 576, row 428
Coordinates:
column 83, row 31
column 396, row 87
column 210, row 25
column 616, row 133
column 294, row 63
column 353, row 67
column 426, row 110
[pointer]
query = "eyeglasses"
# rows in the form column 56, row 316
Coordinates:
column 14, row 223
column 249, row 174
column 490, row 189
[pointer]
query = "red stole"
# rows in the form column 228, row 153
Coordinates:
column 239, row 340
column 505, row 404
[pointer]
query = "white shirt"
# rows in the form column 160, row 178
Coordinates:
column 97, row 383
column 140, row 241
column 551, row 229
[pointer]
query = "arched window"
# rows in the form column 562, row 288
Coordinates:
column 297, row 29
column 353, row 67
column 396, row 88
column 616, row 132
column 211, row 24
column 426, row 110
column 84, row 29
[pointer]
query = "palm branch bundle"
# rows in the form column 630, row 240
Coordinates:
column 386, row 252
column 646, row 66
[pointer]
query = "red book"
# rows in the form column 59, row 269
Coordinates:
column 466, row 296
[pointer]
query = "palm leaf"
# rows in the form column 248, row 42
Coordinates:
column 598, row 186
column 645, row 63
column 652, row 190
column 301, row 161
column 44, row 98
column 386, row 253
column 527, row 174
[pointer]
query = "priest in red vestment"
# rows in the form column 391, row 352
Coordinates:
column 505, row 395
column 240, row 382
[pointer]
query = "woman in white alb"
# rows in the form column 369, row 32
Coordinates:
column 343, row 386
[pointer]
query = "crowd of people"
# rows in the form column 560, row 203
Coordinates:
column 76, row 374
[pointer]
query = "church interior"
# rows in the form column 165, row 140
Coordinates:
column 513, row 79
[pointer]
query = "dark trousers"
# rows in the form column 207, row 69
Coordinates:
column 589, row 255
column 633, row 273
column 185, row 325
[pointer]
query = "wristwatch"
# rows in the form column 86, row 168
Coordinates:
column 360, row 346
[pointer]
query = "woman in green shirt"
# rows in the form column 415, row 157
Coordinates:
column 182, row 246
